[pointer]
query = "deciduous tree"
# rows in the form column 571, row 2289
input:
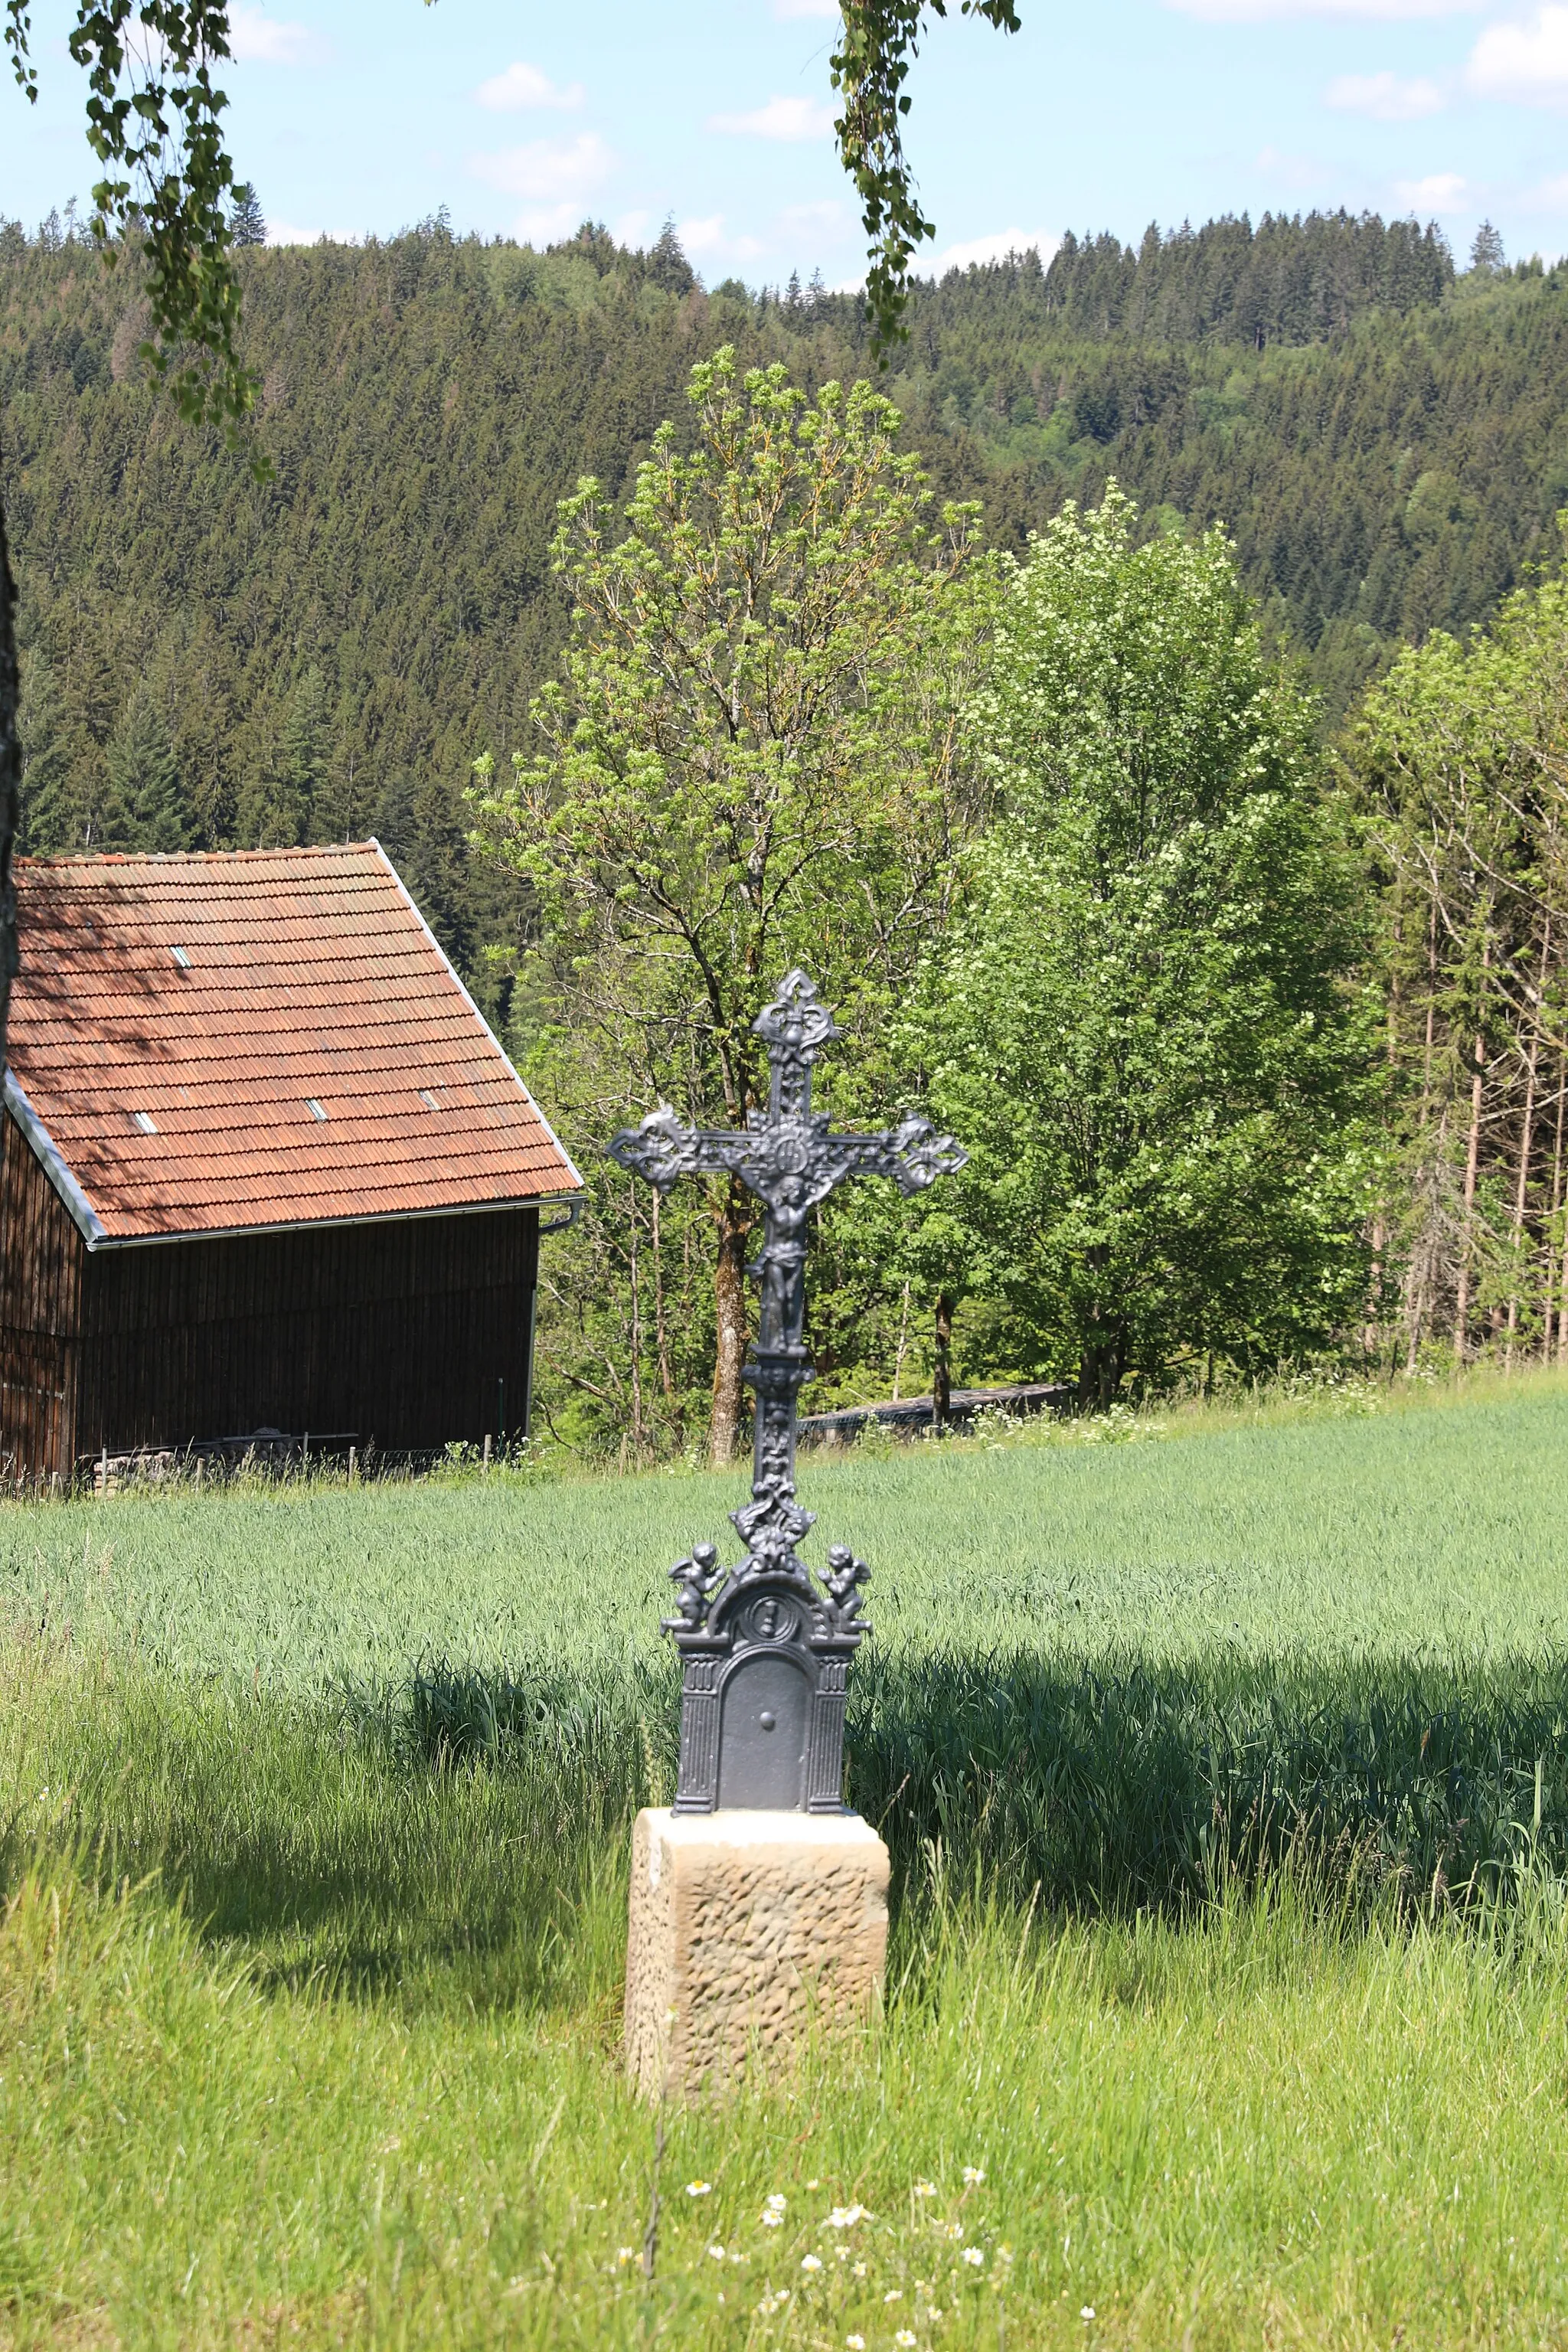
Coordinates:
column 1144, row 1023
column 750, row 759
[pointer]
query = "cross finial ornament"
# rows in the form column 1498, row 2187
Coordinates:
column 765, row 1647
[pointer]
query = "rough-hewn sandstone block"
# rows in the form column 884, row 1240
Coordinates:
column 747, row 1928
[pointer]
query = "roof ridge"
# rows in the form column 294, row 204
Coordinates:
column 103, row 859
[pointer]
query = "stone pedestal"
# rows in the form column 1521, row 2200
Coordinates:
column 748, row 1929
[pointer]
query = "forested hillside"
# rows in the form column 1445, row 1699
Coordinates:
column 208, row 659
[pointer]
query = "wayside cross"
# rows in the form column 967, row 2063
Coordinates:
column 766, row 1648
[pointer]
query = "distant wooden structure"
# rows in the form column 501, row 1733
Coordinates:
column 265, row 1171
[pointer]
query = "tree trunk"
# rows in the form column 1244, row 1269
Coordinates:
column 729, row 1302
column 1526, row 1146
column 10, row 779
column 1472, row 1164
column 941, row 1376
column 1419, row 1287
column 1556, row 1208
column 1466, row 1239
column 636, row 1333
column 903, row 1344
column 660, row 1318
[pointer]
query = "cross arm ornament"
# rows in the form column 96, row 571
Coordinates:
column 912, row 1154
column 662, row 1149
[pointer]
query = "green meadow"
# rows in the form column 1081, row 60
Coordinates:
column 1225, row 1774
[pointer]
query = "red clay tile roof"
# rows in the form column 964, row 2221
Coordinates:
column 181, row 1025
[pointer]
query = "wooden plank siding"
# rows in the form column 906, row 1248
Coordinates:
column 42, row 1254
column 410, row 1333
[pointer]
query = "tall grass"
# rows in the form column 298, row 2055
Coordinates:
column 372, row 2096
column 1225, row 1786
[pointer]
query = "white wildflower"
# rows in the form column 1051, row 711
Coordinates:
column 811, row 2261
column 972, row 2255
column 925, row 2189
column 717, row 2252
column 972, row 2176
column 700, row 2188
column 1087, row 2311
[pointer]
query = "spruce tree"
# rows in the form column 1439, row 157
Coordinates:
column 247, row 224
column 146, row 805
column 52, row 819
column 666, row 263
column 276, row 808
column 422, row 824
column 1487, row 256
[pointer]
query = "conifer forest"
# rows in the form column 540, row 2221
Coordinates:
column 1190, row 835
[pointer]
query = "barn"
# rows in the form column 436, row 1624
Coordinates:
column 266, row 1169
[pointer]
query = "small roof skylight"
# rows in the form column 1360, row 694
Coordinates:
column 144, row 1121
column 181, row 958
column 314, row 1108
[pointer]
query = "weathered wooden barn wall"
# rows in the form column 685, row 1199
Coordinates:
column 41, row 1260
column 411, row 1333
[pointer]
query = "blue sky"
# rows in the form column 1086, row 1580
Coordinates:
column 365, row 115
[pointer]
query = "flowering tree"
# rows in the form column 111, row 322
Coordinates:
column 750, row 759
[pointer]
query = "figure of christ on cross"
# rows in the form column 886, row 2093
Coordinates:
column 791, row 1159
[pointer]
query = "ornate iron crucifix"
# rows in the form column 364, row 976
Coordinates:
column 765, row 1649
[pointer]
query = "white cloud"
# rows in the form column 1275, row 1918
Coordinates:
column 782, row 117
column 1384, row 97
column 558, row 172
column 995, row 248
column 1439, row 191
column 1550, row 196
column 544, row 225
column 1258, row 12
column 256, row 38
column 706, row 240
column 1527, row 61
column 815, row 220
column 286, row 233
column 525, row 86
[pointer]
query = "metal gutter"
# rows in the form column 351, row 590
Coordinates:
column 78, row 1207
column 327, row 1224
